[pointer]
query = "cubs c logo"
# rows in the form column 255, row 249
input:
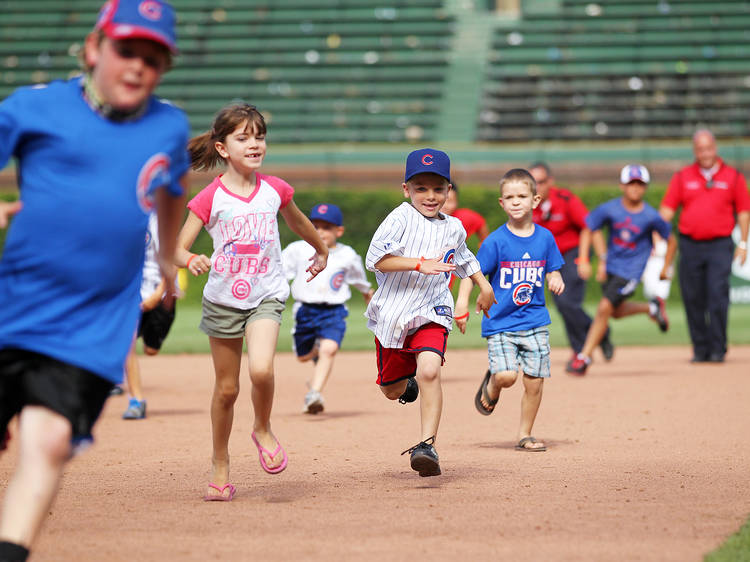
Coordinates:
column 522, row 294
column 337, row 280
column 150, row 10
column 323, row 209
column 153, row 174
column 148, row 238
column 449, row 257
column 427, row 159
column 241, row 289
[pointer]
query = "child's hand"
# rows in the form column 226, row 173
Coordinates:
column 7, row 210
column 555, row 282
column 368, row 296
column 434, row 267
column 584, row 270
column 319, row 262
column 486, row 298
column 601, row 271
column 199, row 264
column 666, row 272
column 461, row 316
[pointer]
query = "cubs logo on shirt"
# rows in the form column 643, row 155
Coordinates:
column 337, row 280
column 449, row 257
column 153, row 174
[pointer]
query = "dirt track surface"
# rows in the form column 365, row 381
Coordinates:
column 647, row 460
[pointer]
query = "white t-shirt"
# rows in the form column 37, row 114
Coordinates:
column 406, row 300
column 246, row 261
column 330, row 286
column 151, row 272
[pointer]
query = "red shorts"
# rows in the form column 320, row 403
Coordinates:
column 395, row 364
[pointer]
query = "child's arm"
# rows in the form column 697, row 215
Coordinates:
column 461, row 311
column 195, row 264
column 600, row 247
column 302, row 227
column 584, row 249
column 391, row 263
column 368, row 296
column 169, row 209
column 486, row 296
column 666, row 271
column 555, row 282
column 150, row 302
column 7, row 210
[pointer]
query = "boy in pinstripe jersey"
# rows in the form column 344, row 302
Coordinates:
column 413, row 253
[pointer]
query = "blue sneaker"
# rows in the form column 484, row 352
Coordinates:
column 136, row 410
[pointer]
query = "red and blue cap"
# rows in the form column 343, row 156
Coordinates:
column 327, row 212
column 139, row 19
column 428, row 160
column 634, row 172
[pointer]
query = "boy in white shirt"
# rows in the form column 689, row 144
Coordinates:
column 319, row 309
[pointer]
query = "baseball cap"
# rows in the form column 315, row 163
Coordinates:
column 428, row 160
column 634, row 172
column 139, row 19
column 327, row 212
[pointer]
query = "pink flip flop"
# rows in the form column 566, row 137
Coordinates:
column 262, row 449
column 221, row 497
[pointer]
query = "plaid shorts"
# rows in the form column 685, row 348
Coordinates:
column 528, row 349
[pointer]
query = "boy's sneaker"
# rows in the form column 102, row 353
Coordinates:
column 608, row 349
column 116, row 390
column 424, row 458
column 658, row 311
column 313, row 402
column 578, row 365
column 136, row 410
column 411, row 392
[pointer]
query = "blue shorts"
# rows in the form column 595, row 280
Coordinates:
column 318, row 321
column 528, row 349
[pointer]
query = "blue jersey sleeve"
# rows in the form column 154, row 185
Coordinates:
column 10, row 129
column 597, row 218
column 488, row 253
column 662, row 227
column 554, row 258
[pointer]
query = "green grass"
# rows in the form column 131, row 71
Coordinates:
column 735, row 549
column 634, row 330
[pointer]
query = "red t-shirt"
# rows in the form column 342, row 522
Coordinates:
column 707, row 213
column 563, row 214
column 471, row 220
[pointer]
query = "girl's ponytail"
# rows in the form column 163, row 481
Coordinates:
column 203, row 154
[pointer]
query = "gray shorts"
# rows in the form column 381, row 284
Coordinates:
column 528, row 349
column 221, row 321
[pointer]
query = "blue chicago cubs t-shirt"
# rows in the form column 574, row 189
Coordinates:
column 70, row 271
column 517, row 267
column 629, row 244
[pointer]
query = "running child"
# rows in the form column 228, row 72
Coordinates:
column 319, row 305
column 518, row 258
column 157, row 316
column 95, row 154
column 413, row 253
column 631, row 223
column 246, row 289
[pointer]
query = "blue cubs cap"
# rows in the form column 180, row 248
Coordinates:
column 634, row 172
column 428, row 160
column 327, row 212
column 139, row 19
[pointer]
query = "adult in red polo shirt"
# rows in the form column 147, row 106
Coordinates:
column 564, row 214
column 710, row 193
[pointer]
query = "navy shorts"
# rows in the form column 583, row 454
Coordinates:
column 617, row 289
column 32, row 379
column 318, row 321
column 155, row 324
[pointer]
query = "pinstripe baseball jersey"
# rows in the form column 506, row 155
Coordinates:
column 330, row 286
column 246, row 262
column 406, row 300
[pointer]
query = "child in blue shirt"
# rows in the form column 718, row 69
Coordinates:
column 518, row 257
column 631, row 222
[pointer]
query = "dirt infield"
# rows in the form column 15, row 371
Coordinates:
column 647, row 460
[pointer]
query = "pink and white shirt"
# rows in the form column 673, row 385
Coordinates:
column 246, row 262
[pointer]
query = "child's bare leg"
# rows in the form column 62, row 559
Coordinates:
column 44, row 448
column 262, row 336
column 395, row 390
column 628, row 308
column 598, row 327
column 532, row 398
column 430, row 392
column 326, row 355
column 227, row 356
column 133, row 374
column 498, row 381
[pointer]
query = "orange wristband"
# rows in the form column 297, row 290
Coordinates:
column 461, row 317
column 419, row 264
column 581, row 260
column 189, row 260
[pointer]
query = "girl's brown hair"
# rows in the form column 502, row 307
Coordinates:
column 202, row 149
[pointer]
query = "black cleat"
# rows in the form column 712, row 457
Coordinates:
column 424, row 458
column 659, row 313
column 411, row 392
column 608, row 349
